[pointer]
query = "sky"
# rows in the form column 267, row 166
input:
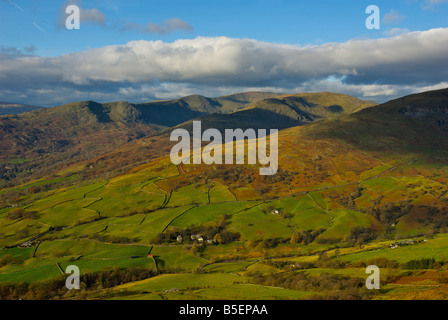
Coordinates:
column 150, row 50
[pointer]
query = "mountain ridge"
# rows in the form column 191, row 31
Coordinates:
column 115, row 136
column 284, row 111
column 76, row 131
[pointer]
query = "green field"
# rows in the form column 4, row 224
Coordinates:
column 121, row 222
column 435, row 248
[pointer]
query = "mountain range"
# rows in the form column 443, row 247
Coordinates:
column 80, row 131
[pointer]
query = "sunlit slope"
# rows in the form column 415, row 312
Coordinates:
column 306, row 107
column 284, row 111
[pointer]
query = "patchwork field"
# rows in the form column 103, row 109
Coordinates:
column 131, row 222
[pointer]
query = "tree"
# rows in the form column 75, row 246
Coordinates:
column 295, row 238
column 361, row 235
column 323, row 257
column 217, row 238
column 194, row 249
column 16, row 213
column 5, row 260
column 285, row 215
column 268, row 209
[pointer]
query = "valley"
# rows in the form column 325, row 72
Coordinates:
column 357, row 184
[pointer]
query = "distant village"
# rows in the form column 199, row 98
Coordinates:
column 401, row 244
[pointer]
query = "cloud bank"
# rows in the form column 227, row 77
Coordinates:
column 145, row 70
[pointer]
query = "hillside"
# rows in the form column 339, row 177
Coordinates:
column 308, row 107
column 173, row 112
column 284, row 111
column 348, row 190
column 263, row 114
column 38, row 142
column 379, row 129
column 415, row 123
column 70, row 134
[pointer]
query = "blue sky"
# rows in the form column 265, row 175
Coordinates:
column 32, row 28
column 26, row 23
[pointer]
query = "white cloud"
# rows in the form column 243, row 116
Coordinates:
column 392, row 17
column 93, row 15
column 168, row 26
column 144, row 70
column 430, row 4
